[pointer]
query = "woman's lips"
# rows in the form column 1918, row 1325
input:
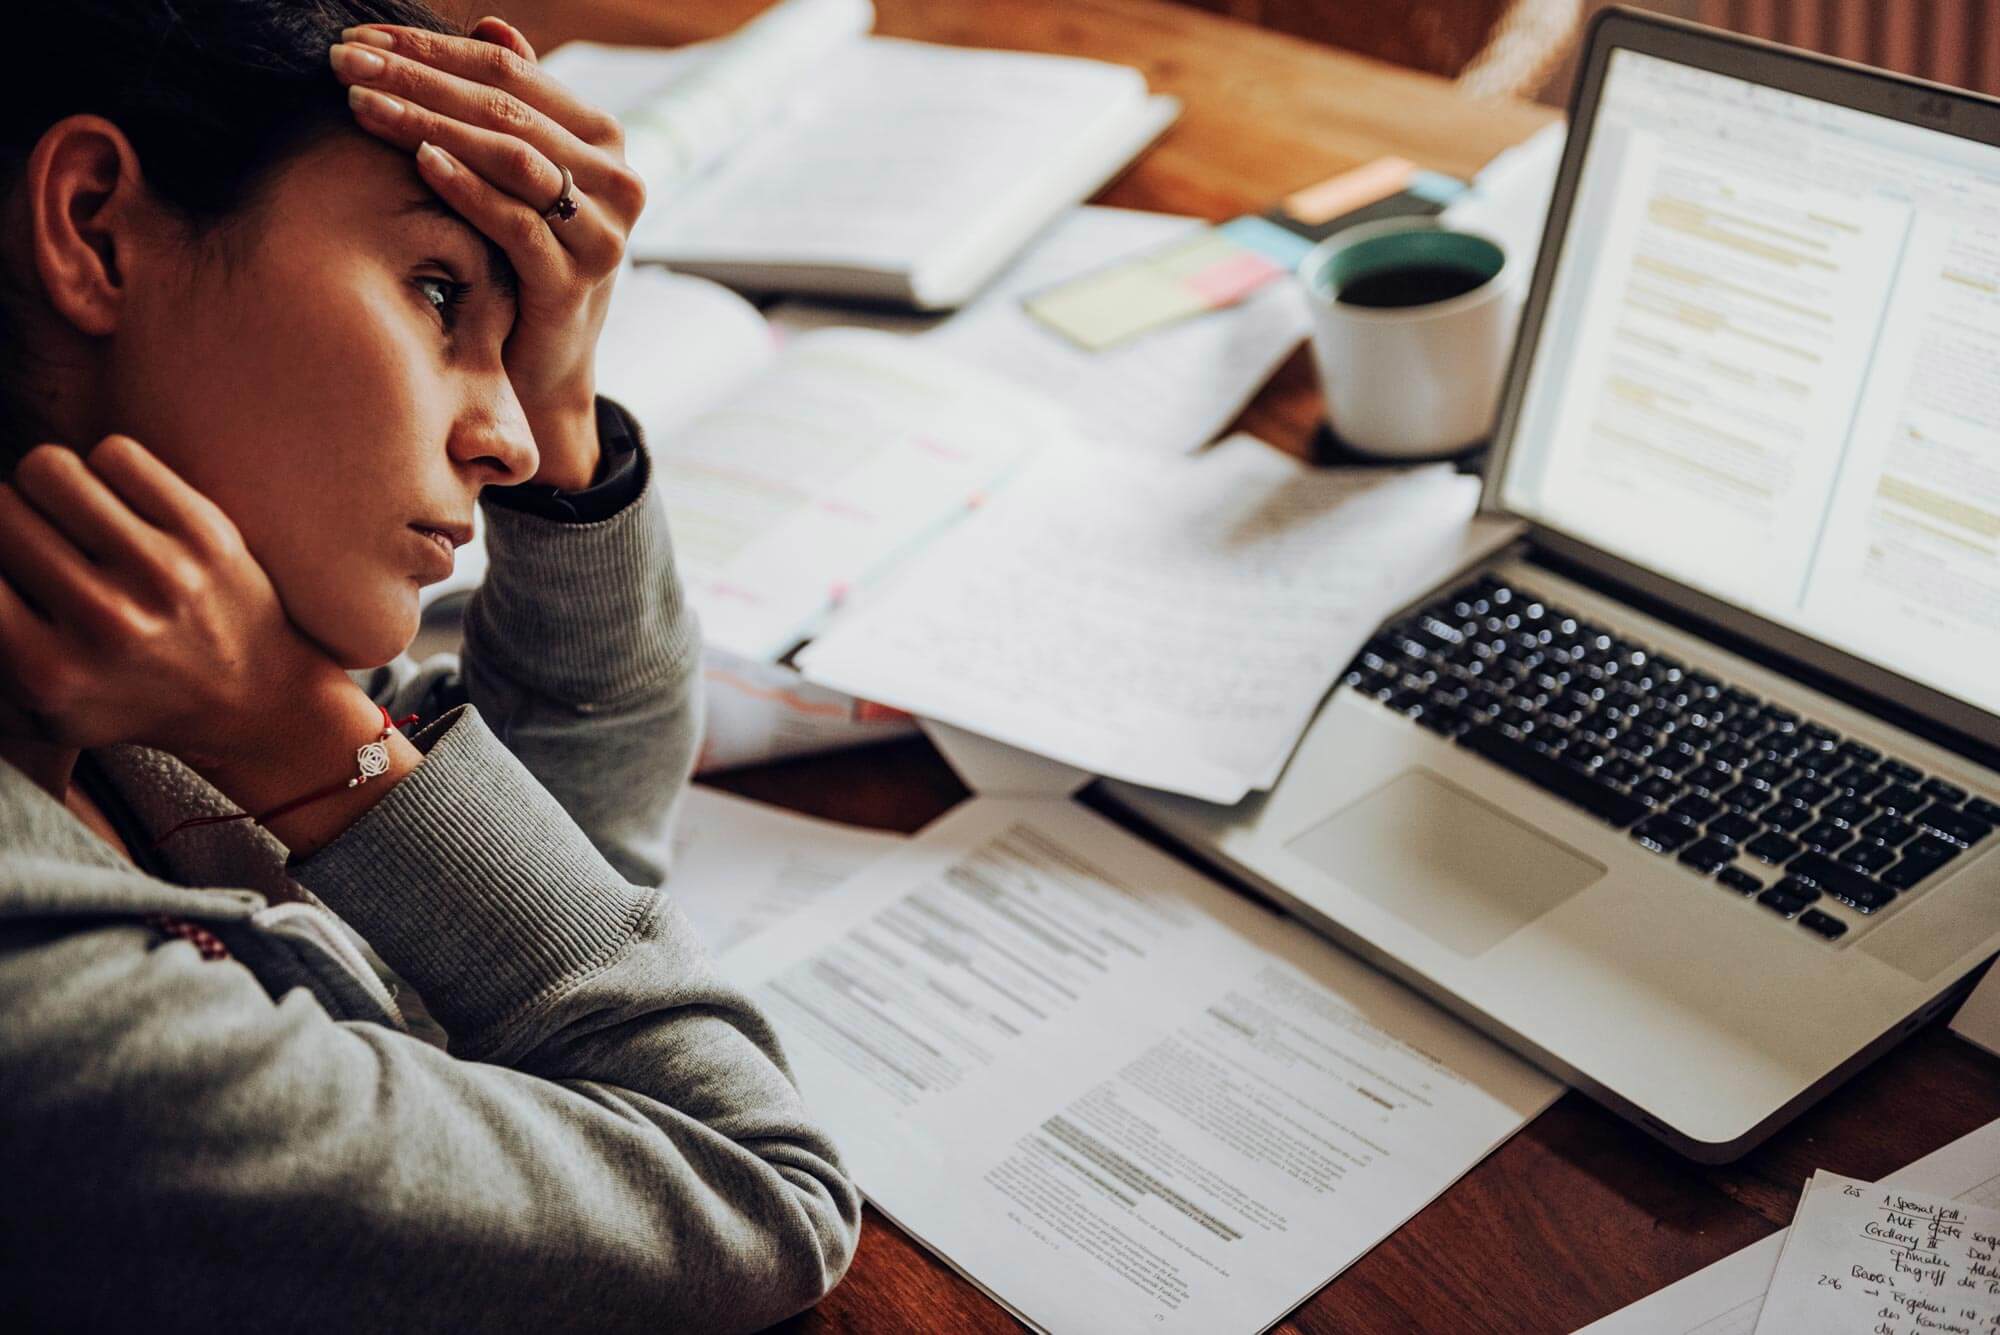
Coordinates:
column 440, row 543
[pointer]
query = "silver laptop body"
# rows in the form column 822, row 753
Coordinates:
column 1689, row 796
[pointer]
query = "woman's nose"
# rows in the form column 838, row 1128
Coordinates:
column 494, row 438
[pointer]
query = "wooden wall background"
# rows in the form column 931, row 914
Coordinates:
column 1951, row 41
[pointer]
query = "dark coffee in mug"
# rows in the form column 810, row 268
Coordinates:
column 1412, row 284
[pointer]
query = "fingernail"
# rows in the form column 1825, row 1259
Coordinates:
column 358, row 62
column 371, row 103
column 433, row 157
column 369, row 37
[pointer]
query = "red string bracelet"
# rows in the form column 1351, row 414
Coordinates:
column 371, row 761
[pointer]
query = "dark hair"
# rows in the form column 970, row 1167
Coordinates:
column 215, row 96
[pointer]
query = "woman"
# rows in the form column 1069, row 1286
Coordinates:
column 265, row 350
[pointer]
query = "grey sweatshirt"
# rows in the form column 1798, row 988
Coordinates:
column 603, row 1137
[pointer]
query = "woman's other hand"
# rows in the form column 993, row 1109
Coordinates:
column 131, row 611
column 497, row 127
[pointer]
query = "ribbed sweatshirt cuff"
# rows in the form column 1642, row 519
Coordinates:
column 584, row 614
column 474, row 885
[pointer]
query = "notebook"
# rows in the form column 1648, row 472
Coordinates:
column 803, row 155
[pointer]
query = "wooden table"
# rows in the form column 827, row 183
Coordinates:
column 1580, row 1213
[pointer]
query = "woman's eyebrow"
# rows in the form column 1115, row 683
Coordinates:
column 499, row 269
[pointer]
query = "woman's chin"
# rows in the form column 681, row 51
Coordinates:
column 370, row 636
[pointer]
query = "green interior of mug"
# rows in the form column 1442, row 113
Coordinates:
column 1400, row 250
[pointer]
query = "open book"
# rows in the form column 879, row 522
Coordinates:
column 802, row 155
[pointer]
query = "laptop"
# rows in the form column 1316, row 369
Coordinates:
column 1690, row 795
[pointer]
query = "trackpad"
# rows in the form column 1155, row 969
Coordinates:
column 1464, row 873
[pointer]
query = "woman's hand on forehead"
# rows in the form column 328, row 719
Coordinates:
column 488, row 129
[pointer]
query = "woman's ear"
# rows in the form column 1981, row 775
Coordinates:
column 85, row 196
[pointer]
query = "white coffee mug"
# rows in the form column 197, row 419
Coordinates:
column 1411, row 381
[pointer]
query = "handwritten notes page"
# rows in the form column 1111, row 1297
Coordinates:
column 1724, row 1298
column 738, row 866
column 1885, row 1261
column 847, row 451
column 1170, row 622
column 1112, row 1093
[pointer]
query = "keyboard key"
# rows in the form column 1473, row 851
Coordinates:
column 1607, row 804
column 1767, row 772
column 1944, row 792
column 1696, row 808
column 1798, row 886
column 1900, row 772
column 1733, row 826
column 1709, row 854
column 1656, row 792
column 1742, row 882
column 1953, row 824
column 1860, row 752
column 1828, row 926
column 1663, row 832
column 1888, row 830
column 1929, row 848
column 1867, row 858
column 1907, row 874
column 1786, row 816
column 1809, row 791
column 1780, row 903
column 1746, row 797
column 1899, row 799
column 1772, row 848
column 1858, row 781
column 1847, row 810
column 1826, row 836
column 1981, row 809
column 1843, row 883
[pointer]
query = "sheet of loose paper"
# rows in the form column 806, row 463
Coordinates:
column 1724, row 1298
column 1172, row 391
column 1885, row 1261
column 1113, row 1093
column 1170, row 622
column 761, row 712
column 851, row 448
column 740, row 866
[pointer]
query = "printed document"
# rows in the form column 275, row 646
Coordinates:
column 1112, row 1093
column 1169, row 622
column 1725, row 1298
column 1886, row 1260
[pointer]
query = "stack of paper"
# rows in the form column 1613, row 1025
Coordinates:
column 1113, row 1094
column 1170, row 622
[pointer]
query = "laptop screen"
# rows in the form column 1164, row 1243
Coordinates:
column 1770, row 367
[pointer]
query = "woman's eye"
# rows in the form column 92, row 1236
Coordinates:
column 453, row 296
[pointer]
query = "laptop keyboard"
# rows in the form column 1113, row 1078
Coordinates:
column 1771, row 806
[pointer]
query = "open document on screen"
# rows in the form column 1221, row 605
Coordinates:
column 1770, row 367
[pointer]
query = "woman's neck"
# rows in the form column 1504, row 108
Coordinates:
column 48, row 765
